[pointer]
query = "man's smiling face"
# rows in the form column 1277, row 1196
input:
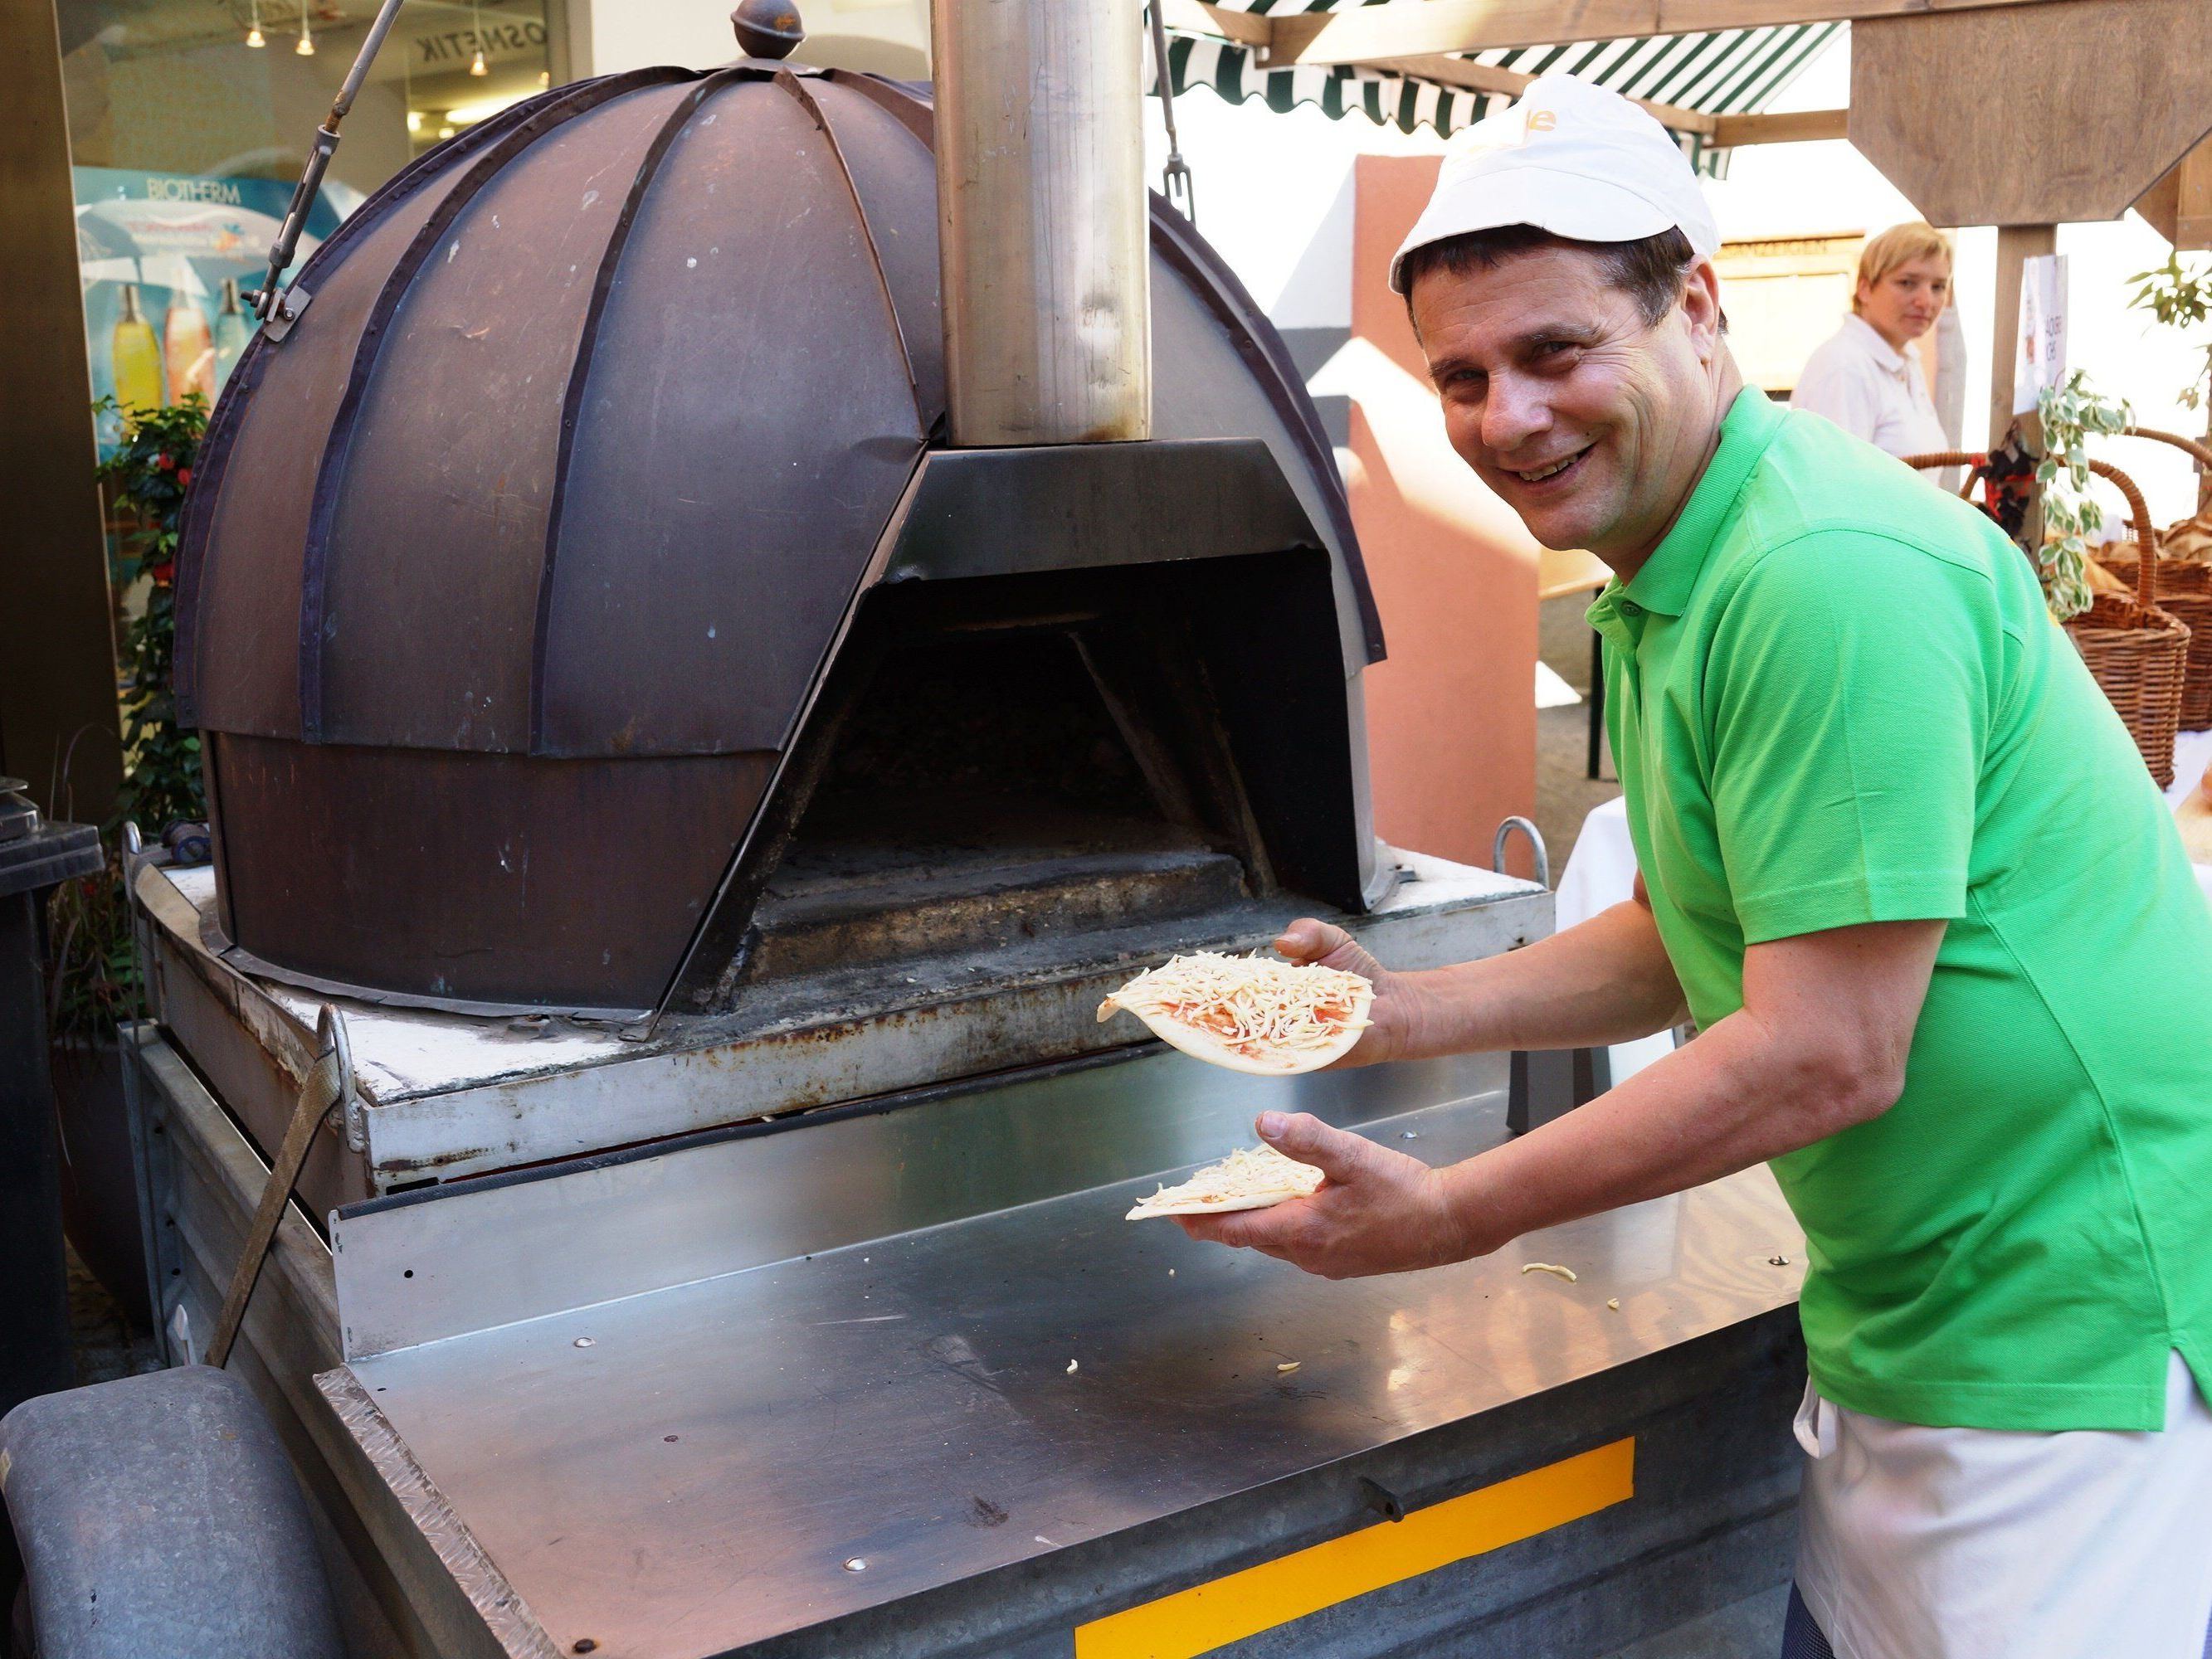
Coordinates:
column 1590, row 422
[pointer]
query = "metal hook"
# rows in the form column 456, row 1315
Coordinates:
column 1175, row 178
column 1536, row 845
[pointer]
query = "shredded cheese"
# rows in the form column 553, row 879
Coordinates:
column 1567, row 1273
column 1252, row 1178
column 1252, row 1013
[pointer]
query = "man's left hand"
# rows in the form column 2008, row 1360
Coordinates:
column 1378, row 1211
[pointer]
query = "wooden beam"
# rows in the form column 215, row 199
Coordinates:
column 2180, row 205
column 1409, row 28
column 1796, row 127
column 2044, row 142
column 1246, row 28
column 2016, row 245
column 1481, row 77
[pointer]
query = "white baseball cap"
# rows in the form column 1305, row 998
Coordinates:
column 1570, row 158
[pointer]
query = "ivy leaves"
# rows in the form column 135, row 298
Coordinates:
column 2071, row 412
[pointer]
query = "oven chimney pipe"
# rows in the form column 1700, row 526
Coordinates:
column 1043, row 222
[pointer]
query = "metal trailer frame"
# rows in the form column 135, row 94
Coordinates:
column 661, row 1401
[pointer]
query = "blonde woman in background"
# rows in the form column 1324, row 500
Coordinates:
column 1862, row 379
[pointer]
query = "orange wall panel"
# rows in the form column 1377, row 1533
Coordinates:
column 1451, row 715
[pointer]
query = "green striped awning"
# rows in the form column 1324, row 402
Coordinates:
column 1721, row 72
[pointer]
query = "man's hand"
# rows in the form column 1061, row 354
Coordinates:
column 1378, row 1211
column 1394, row 1021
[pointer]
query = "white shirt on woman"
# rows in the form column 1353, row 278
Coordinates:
column 1868, row 387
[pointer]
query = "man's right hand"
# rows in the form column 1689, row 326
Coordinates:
column 1392, row 1022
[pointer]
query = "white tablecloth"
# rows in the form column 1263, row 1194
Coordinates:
column 1601, row 872
column 2192, row 753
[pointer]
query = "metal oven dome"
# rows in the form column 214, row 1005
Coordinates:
column 509, row 567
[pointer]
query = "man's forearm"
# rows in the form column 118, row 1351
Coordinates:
column 1703, row 1112
column 1605, row 980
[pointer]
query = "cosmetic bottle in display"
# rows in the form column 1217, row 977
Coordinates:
column 136, row 356
column 188, row 349
column 231, row 333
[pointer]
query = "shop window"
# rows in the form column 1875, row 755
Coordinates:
column 189, row 124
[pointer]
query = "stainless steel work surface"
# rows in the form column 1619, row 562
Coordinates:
column 681, row 1472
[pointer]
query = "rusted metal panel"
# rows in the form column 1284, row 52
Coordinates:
column 239, row 627
column 601, row 483
column 881, row 148
column 491, row 323
column 259, row 1090
column 721, row 503
column 438, row 874
column 432, row 171
column 447, row 1096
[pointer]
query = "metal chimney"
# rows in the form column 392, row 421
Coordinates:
column 1043, row 217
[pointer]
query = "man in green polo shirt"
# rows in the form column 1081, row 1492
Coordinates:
column 1901, row 864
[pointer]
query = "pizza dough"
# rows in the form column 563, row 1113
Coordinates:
column 1253, row 1179
column 1252, row 1014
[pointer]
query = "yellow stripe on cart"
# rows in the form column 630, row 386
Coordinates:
column 1209, row 1616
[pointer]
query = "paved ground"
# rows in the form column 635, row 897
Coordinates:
column 107, row 1348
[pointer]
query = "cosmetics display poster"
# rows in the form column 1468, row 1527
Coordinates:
column 168, row 262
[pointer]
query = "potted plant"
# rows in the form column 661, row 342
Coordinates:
column 91, row 974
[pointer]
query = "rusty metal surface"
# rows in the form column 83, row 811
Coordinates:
column 436, row 866
column 449, row 1096
column 749, row 426
column 581, row 455
column 479, row 328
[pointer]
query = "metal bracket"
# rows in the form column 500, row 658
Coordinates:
column 1380, row 1498
column 289, row 304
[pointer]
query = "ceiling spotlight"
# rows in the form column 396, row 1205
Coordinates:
column 477, row 66
column 253, row 35
column 414, row 120
column 445, row 132
column 545, row 77
column 306, row 45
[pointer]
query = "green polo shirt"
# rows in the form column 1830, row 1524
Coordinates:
column 1836, row 697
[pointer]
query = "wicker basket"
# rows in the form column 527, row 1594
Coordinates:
column 2184, row 591
column 2137, row 652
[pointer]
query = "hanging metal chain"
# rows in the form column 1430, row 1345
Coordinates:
column 1175, row 177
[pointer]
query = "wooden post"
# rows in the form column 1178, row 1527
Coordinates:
column 57, row 646
column 2016, row 245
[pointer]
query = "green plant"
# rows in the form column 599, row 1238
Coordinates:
column 147, row 478
column 90, row 975
column 2071, row 412
column 91, row 980
column 2180, row 297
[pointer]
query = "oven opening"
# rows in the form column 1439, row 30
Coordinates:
column 1024, row 763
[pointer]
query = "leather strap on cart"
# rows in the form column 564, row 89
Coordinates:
column 326, row 1090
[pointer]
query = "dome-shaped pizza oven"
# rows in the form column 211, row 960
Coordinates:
column 531, row 573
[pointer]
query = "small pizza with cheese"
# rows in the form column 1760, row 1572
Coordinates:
column 1252, row 1014
column 1253, row 1178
